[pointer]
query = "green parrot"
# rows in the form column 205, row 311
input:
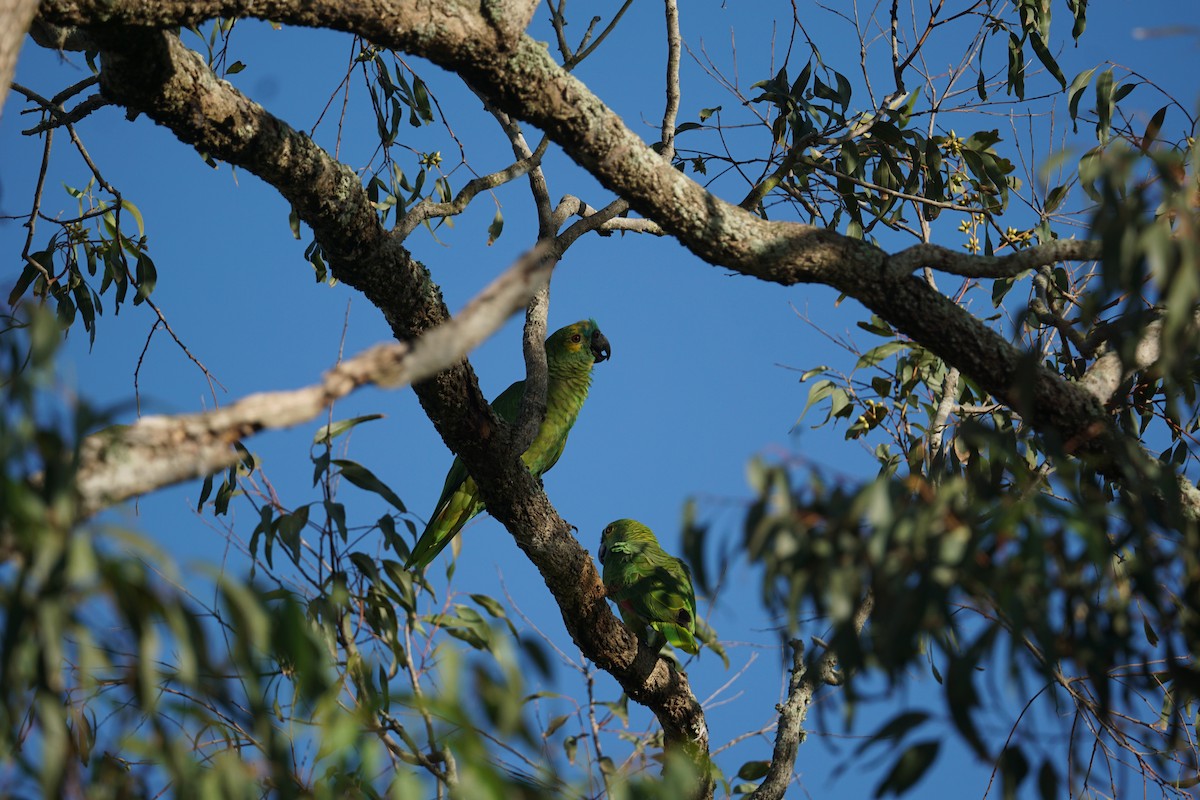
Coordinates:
column 652, row 588
column 570, row 354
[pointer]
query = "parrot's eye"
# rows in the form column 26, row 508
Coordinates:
column 576, row 338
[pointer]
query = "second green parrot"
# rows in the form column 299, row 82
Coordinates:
column 570, row 354
column 652, row 588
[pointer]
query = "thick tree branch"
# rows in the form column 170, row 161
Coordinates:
column 153, row 73
column 125, row 461
column 129, row 460
column 518, row 75
column 15, row 16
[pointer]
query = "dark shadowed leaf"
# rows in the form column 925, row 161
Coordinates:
column 909, row 768
column 326, row 433
column 363, row 478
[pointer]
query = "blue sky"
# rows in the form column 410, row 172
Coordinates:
column 704, row 368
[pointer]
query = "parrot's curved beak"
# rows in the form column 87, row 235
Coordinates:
column 600, row 347
column 603, row 552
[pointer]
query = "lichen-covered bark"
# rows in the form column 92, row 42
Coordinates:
column 15, row 16
column 519, row 76
column 151, row 72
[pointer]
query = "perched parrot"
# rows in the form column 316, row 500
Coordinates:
column 652, row 588
column 570, row 354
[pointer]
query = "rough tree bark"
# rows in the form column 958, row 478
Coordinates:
column 15, row 16
column 518, row 75
column 151, row 72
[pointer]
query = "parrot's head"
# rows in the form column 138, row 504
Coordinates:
column 621, row 535
column 581, row 340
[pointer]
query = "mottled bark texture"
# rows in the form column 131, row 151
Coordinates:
column 519, row 76
column 151, row 72
column 15, row 16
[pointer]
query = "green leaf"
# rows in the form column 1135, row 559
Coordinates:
column 1054, row 199
column 320, row 466
column 1075, row 92
column 753, row 770
column 1000, row 289
column 877, row 326
column 147, row 278
column 909, row 768
column 29, row 273
column 137, row 216
column 570, row 746
column 490, row 605
column 245, row 457
column 337, row 512
column 1123, row 91
column 326, row 433
column 205, row 491
column 705, row 113
column 1016, row 67
column 816, row 393
column 421, row 100
column 1014, row 768
column 1079, row 10
column 363, row 478
column 895, row 729
column 877, row 354
column 1043, row 54
column 1104, row 104
column 1152, row 129
column 840, row 404
column 843, row 90
column 289, row 528
column 402, row 579
column 804, row 376
column 365, row 565
column 494, row 230
column 235, row 68
column 1048, row 781
column 1151, row 636
column 66, row 310
column 554, row 724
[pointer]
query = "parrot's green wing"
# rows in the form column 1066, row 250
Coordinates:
column 663, row 600
column 460, row 501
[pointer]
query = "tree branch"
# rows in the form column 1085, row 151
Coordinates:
column 15, row 17
column 518, row 75
column 125, row 461
column 427, row 209
column 157, row 451
column 1109, row 371
column 153, row 73
column 1007, row 266
column 803, row 684
column 671, row 111
column 532, row 409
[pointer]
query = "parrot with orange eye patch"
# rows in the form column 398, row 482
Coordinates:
column 570, row 354
column 652, row 588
